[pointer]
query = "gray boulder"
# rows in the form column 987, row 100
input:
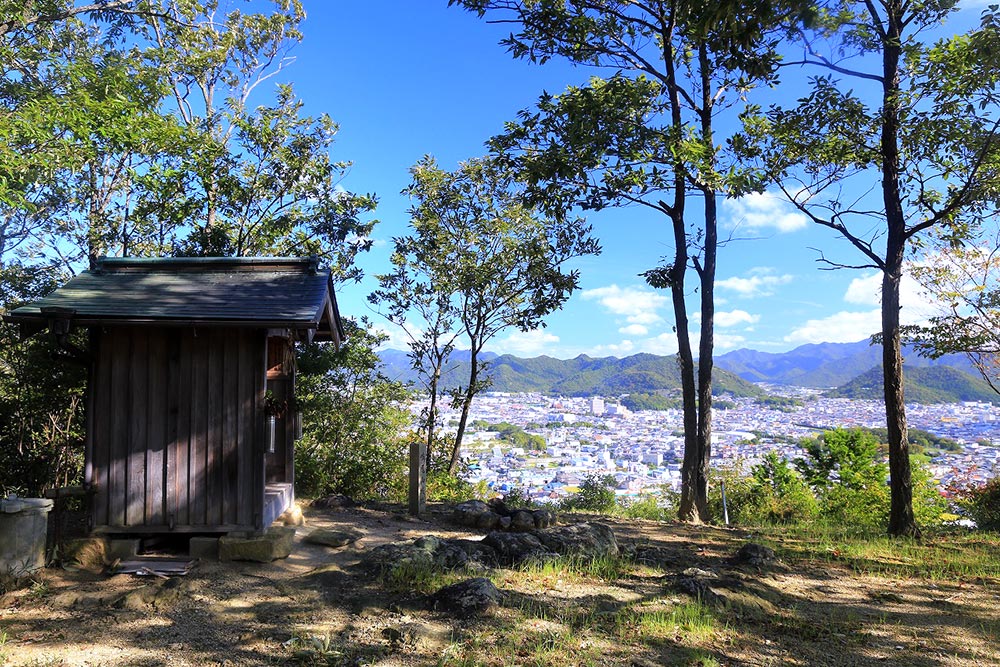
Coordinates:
column 544, row 518
column 419, row 553
column 755, row 555
column 513, row 548
column 588, row 540
column 333, row 538
column 467, row 598
column 522, row 521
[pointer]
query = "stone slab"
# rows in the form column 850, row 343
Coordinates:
column 274, row 544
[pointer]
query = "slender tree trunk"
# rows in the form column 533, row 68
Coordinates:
column 706, row 275
column 470, row 392
column 901, row 519
column 688, row 510
column 432, row 415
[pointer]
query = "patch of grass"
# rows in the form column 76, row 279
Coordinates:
column 940, row 556
column 603, row 568
column 417, row 577
column 532, row 642
column 689, row 620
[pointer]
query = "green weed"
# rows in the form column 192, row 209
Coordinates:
column 939, row 556
column 691, row 620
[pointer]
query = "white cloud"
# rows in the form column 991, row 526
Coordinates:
column 843, row 327
column 915, row 306
column 634, row 330
column 761, row 281
column 734, row 317
column 528, row 343
column 636, row 304
column 664, row 344
column 622, row 349
column 764, row 210
column 728, row 342
column 397, row 337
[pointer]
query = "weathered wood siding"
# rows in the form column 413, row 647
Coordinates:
column 177, row 425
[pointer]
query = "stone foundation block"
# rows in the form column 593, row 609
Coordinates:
column 274, row 544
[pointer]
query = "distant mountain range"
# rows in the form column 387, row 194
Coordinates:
column 823, row 365
column 581, row 376
column 851, row 370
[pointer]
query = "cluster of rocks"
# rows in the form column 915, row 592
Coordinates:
column 498, row 548
column 495, row 515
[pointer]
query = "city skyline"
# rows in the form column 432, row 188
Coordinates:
column 433, row 80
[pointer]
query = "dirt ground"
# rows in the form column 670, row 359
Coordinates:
column 316, row 607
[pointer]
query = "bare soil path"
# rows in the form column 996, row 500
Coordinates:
column 317, row 607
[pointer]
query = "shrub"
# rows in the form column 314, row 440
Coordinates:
column 447, row 488
column 517, row 497
column 930, row 508
column 352, row 418
column 771, row 493
column 596, row 494
column 982, row 504
column 645, row 507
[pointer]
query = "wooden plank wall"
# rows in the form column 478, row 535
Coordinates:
column 176, row 429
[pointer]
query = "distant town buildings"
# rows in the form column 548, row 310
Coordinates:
column 643, row 450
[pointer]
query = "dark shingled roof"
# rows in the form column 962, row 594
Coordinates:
column 258, row 292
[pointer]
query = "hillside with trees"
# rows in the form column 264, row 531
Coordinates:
column 935, row 384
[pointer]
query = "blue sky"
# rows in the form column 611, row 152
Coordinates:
column 405, row 78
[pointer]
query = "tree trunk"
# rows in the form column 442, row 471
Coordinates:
column 901, row 519
column 706, row 276
column 470, row 392
column 432, row 416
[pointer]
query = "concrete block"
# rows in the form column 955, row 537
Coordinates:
column 123, row 549
column 275, row 543
column 23, row 525
column 206, row 548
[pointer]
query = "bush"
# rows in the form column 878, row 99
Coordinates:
column 647, row 507
column 982, row 504
column 596, row 494
column 352, row 419
column 518, row 498
column 930, row 508
column 447, row 488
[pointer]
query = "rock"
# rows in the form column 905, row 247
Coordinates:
column 452, row 554
column 274, row 544
column 698, row 573
column 522, row 521
column 696, row 588
column 499, row 507
column 755, row 555
column 468, row 513
column 504, row 523
column 419, row 553
column 513, row 548
column 544, row 518
column 588, row 540
column 333, row 538
column 467, row 598
column 336, row 501
column 488, row 521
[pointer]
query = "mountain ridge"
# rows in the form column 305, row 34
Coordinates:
column 844, row 369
